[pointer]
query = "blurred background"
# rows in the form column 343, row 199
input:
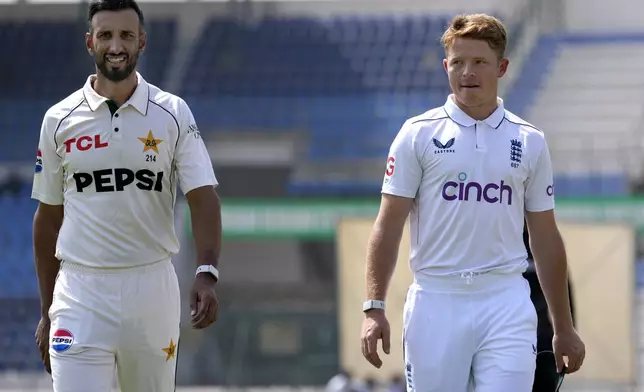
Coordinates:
column 298, row 102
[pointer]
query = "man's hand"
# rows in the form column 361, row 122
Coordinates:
column 568, row 344
column 375, row 327
column 382, row 253
column 42, row 340
column 204, row 305
column 47, row 221
column 205, row 214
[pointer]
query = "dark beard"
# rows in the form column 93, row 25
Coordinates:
column 116, row 75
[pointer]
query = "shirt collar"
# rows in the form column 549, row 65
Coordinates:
column 138, row 100
column 460, row 117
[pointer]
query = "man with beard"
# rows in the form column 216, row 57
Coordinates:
column 109, row 158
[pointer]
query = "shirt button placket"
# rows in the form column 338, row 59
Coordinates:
column 117, row 129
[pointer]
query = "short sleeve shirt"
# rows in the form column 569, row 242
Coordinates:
column 471, row 182
column 117, row 173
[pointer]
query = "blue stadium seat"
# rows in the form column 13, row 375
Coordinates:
column 16, row 241
column 20, row 122
column 29, row 87
column 18, row 321
column 349, row 81
column 19, row 300
column 57, row 44
column 524, row 91
column 308, row 56
column 160, row 47
column 331, row 72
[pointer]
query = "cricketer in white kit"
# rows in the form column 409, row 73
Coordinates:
column 110, row 158
column 467, row 174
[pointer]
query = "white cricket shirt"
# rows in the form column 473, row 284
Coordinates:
column 116, row 175
column 471, row 182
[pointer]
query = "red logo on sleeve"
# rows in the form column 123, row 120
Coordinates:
column 391, row 163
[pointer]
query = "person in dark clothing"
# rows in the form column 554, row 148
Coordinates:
column 546, row 377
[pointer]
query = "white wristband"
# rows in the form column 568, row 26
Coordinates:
column 373, row 304
column 208, row 269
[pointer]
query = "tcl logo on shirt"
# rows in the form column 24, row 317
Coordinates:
column 84, row 143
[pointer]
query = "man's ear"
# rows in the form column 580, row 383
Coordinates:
column 503, row 67
column 143, row 41
column 89, row 43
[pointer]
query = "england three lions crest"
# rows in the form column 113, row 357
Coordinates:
column 516, row 152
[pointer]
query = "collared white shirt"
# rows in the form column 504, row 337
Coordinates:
column 471, row 182
column 117, row 174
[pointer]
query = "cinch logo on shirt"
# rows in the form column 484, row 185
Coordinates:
column 115, row 180
column 470, row 191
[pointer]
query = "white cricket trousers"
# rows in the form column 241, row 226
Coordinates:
column 476, row 333
column 126, row 318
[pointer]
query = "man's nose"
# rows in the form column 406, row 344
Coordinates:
column 468, row 70
column 116, row 45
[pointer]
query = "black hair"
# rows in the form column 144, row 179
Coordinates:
column 97, row 6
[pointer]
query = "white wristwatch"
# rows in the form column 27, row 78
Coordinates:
column 208, row 269
column 373, row 304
